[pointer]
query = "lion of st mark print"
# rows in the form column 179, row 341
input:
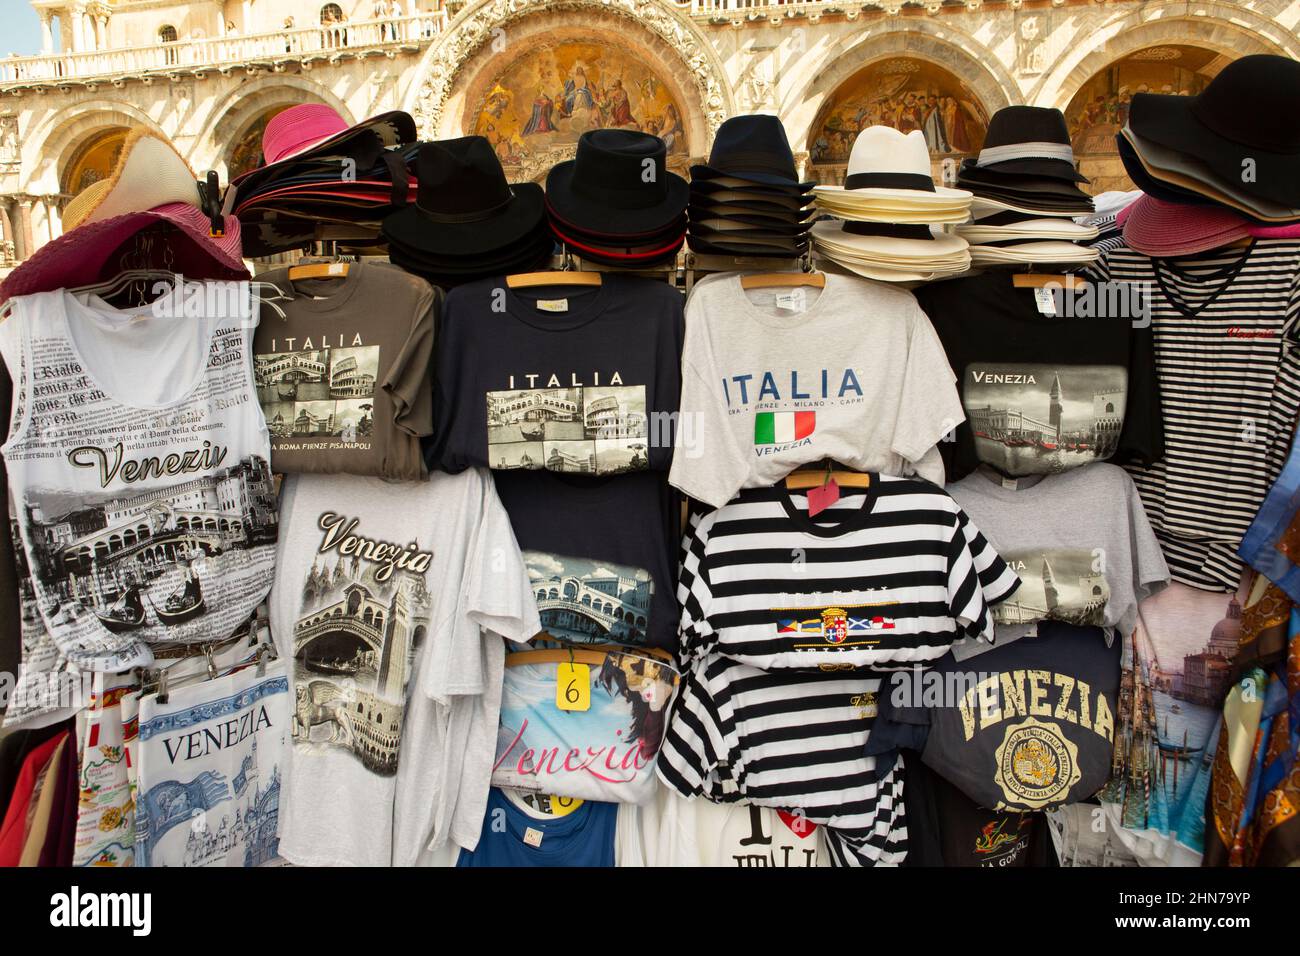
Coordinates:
column 834, row 627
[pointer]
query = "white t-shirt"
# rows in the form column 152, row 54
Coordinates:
column 375, row 582
column 776, row 378
column 695, row 832
column 138, row 471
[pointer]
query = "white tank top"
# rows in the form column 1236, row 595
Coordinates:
column 139, row 470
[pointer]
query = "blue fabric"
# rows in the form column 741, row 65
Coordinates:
column 1259, row 545
column 584, row 837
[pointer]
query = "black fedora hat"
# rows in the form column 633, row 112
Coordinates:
column 1242, row 125
column 1029, row 141
column 464, row 204
column 618, row 183
column 754, row 149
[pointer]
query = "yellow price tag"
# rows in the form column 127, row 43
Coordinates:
column 573, row 687
column 563, row 806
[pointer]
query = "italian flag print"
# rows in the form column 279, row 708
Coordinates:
column 775, row 428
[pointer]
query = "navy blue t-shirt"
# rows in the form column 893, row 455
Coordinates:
column 1032, row 725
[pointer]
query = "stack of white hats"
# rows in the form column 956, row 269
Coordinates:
column 892, row 213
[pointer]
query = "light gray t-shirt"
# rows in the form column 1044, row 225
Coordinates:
column 777, row 378
column 1079, row 540
column 387, row 602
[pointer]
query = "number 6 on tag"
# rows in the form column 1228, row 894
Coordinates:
column 573, row 687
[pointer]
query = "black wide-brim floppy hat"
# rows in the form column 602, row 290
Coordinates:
column 618, row 184
column 464, row 206
column 1243, row 122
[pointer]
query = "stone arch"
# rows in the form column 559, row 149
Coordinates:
column 491, row 30
column 1225, row 28
column 231, row 117
column 1110, row 60
column 56, row 142
column 811, row 88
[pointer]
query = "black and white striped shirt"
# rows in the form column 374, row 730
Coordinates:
column 1229, row 375
column 788, row 739
column 885, row 577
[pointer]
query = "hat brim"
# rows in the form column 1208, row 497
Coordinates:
column 757, row 224
column 595, row 216
column 472, row 262
column 727, row 184
column 1155, row 228
column 880, row 273
column 1032, row 253
column 1036, row 189
column 1171, row 121
column 916, row 197
column 1187, row 180
column 984, row 205
column 89, row 253
column 754, row 211
column 709, row 174
column 394, row 128
column 831, row 235
column 414, row 228
column 1034, row 166
column 704, row 247
column 1067, row 230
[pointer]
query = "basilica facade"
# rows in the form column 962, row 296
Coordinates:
column 532, row 75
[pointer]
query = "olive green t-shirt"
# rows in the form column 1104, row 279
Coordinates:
column 344, row 375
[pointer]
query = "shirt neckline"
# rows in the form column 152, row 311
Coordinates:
column 991, row 481
column 339, row 294
column 590, row 305
column 104, row 316
column 1224, row 276
column 786, row 322
column 852, row 521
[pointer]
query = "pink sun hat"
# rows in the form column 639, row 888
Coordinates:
column 97, row 251
column 314, row 129
column 1154, row 227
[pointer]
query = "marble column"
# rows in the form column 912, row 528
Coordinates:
column 77, row 21
column 7, row 227
column 47, row 32
column 23, row 236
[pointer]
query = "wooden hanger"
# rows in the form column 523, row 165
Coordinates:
column 530, row 280
column 318, row 270
column 1041, row 280
column 781, row 280
column 583, row 656
column 817, row 477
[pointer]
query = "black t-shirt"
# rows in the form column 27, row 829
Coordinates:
column 1027, row 726
column 564, row 378
column 600, row 551
column 947, row 828
column 1045, row 392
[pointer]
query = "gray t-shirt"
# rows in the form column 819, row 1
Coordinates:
column 1079, row 540
column 384, row 599
column 777, row 378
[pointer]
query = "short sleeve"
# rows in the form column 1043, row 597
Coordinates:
column 1150, row 570
column 929, row 406
column 1142, row 438
column 694, row 745
column 495, row 596
column 693, row 592
column 408, row 379
column 978, row 578
column 452, row 441
column 707, row 463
